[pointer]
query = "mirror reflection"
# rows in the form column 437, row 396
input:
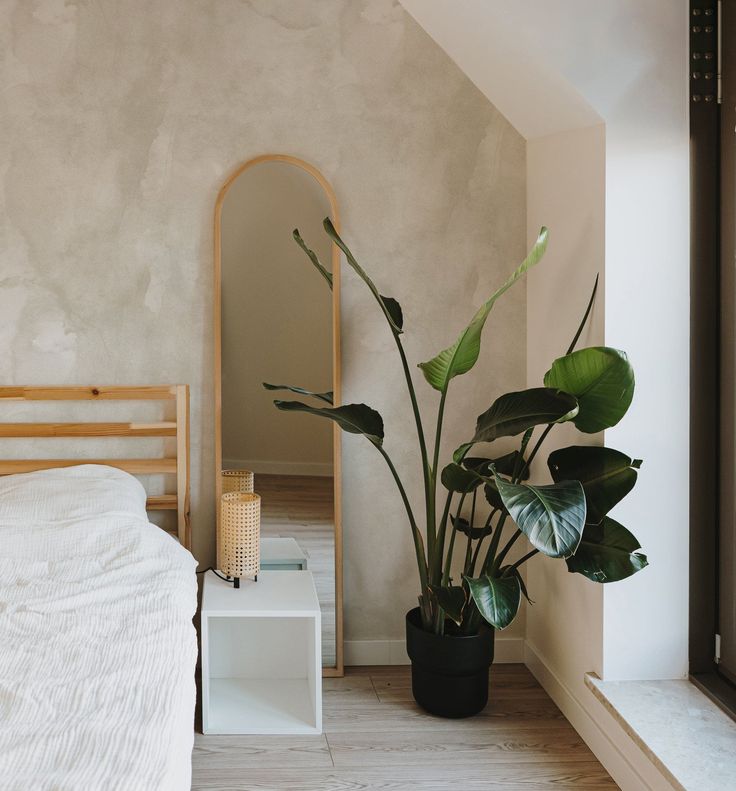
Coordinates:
column 277, row 326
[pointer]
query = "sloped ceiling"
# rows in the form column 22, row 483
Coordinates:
column 497, row 44
column 550, row 67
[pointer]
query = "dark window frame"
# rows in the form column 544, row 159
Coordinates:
column 712, row 186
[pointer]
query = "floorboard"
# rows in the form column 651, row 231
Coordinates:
column 377, row 739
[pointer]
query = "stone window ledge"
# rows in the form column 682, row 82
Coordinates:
column 685, row 735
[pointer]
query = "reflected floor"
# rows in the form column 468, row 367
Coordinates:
column 302, row 506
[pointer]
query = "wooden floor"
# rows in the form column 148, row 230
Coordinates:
column 376, row 739
column 302, row 506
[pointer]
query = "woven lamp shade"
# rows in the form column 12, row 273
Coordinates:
column 239, row 534
column 237, row 481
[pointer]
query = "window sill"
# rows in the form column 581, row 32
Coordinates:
column 686, row 736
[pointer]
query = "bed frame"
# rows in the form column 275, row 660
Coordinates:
column 178, row 429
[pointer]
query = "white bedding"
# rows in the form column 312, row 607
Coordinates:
column 97, row 646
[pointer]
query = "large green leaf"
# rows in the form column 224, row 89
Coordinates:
column 457, row 479
column 461, row 452
column 601, row 379
column 394, row 311
column 497, row 598
column 513, row 465
column 513, row 413
column 353, row 418
column 452, row 599
column 607, row 475
column 463, row 526
column 313, row 257
column 326, row 396
column 551, row 517
column 505, row 465
column 463, row 354
column 607, row 553
column 510, row 571
column 493, row 497
column 390, row 307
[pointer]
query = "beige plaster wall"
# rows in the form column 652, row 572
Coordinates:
column 119, row 121
column 276, row 320
column 566, row 188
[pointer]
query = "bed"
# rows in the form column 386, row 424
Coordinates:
column 97, row 646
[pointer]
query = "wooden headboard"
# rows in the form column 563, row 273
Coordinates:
column 178, row 429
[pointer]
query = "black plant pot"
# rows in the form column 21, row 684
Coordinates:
column 449, row 673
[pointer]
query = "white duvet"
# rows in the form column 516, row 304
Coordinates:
column 97, row 646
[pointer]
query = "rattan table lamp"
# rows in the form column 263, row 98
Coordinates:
column 239, row 535
column 237, row 481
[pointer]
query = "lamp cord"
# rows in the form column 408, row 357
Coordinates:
column 214, row 571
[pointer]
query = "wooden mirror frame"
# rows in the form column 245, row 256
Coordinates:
column 338, row 669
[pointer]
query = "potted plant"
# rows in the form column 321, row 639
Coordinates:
column 450, row 634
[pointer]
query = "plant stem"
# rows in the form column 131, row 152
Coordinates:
column 525, row 558
column 495, row 539
column 438, row 432
column 471, row 571
column 502, row 554
column 536, row 448
column 435, row 570
column 418, row 541
column 585, row 317
column 521, row 465
column 432, row 482
column 428, row 501
column 448, row 559
column 469, row 545
column 448, row 562
column 437, row 558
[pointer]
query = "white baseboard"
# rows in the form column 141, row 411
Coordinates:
column 622, row 758
column 393, row 652
column 323, row 470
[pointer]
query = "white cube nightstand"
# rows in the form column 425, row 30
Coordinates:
column 261, row 655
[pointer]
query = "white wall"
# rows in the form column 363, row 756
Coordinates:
column 276, row 320
column 647, row 313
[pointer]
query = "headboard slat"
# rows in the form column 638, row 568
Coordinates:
column 162, row 502
column 90, row 393
column 27, row 430
column 165, row 466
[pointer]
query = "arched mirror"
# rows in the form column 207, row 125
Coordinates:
column 277, row 321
